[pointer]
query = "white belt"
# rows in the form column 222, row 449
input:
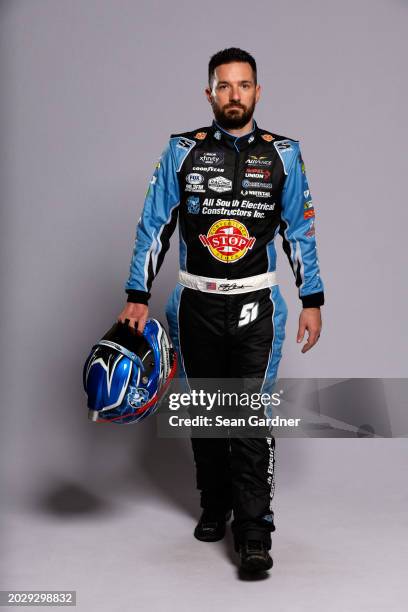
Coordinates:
column 225, row 285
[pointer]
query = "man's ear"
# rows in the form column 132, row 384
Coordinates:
column 207, row 92
column 257, row 92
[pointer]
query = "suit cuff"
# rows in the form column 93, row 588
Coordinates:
column 138, row 297
column 313, row 300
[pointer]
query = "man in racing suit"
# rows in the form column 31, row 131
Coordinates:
column 231, row 190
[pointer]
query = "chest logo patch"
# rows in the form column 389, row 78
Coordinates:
column 209, row 158
column 219, row 184
column 227, row 240
column 193, row 205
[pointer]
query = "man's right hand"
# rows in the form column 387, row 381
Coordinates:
column 137, row 315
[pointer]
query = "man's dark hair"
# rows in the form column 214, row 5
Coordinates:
column 226, row 56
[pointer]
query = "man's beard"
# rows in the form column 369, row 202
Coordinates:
column 235, row 120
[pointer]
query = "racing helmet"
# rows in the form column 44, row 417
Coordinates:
column 127, row 373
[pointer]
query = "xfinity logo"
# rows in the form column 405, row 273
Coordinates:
column 210, row 159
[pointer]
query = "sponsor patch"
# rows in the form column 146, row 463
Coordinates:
column 258, row 160
column 256, row 193
column 309, row 213
column 200, row 135
column 209, row 159
column 284, row 146
column 208, row 169
column 194, row 178
column 184, row 143
column 195, row 188
column 268, row 137
column 248, row 184
column 228, row 240
column 257, row 173
column 219, row 184
column 193, row 205
column 311, row 231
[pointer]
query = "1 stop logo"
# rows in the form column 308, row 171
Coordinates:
column 227, row 240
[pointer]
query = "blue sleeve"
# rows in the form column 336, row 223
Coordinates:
column 298, row 228
column 155, row 227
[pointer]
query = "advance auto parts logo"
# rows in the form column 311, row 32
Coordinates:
column 228, row 240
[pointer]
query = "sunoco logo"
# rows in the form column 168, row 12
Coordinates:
column 227, row 240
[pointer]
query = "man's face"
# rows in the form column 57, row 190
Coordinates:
column 233, row 94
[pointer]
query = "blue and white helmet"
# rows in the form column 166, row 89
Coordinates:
column 126, row 373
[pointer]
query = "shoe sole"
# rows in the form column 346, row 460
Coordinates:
column 209, row 538
column 256, row 565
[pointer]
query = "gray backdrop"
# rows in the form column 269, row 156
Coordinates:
column 91, row 90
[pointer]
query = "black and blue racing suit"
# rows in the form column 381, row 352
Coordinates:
column 231, row 196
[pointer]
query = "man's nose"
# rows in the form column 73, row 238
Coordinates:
column 235, row 95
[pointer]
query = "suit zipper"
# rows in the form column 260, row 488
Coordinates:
column 234, row 183
column 234, row 186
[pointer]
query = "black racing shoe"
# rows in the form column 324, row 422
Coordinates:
column 254, row 556
column 211, row 526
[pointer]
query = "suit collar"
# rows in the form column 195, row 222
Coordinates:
column 238, row 143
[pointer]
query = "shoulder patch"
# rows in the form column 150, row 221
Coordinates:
column 181, row 148
column 284, row 145
column 184, row 143
column 286, row 150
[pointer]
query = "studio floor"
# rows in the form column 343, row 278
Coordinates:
column 341, row 542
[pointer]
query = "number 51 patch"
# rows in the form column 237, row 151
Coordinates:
column 249, row 313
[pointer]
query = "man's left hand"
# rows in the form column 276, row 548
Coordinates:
column 310, row 320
